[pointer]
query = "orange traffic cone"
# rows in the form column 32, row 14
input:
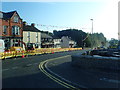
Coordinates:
column 23, row 54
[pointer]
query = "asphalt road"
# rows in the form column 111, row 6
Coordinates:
column 85, row 78
column 25, row 73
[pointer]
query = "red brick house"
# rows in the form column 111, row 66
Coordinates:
column 11, row 28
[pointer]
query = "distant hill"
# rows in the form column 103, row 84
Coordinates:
column 82, row 38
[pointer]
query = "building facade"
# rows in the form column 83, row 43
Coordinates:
column 57, row 42
column 11, row 29
column 31, row 36
column 46, row 41
column 66, row 42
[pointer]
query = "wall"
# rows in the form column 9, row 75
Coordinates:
column 64, row 42
column 32, row 37
column 8, row 38
column 57, row 43
column 86, row 61
column 25, row 36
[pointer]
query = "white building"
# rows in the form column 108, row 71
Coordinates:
column 57, row 42
column 31, row 36
column 64, row 42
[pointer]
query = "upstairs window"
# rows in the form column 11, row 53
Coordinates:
column 5, row 29
column 28, row 34
column 15, row 19
column 15, row 30
column 28, row 37
column 37, row 37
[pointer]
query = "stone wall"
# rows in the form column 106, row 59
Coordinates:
column 87, row 61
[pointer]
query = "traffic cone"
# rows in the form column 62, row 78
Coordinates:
column 23, row 54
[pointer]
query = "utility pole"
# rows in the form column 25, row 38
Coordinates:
column 92, row 34
column 118, row 40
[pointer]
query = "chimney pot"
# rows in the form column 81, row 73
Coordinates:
column 33, row 25
column 24, row 23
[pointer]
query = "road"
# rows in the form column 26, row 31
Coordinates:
column 26, row 73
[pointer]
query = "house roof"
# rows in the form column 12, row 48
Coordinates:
column 44, row 35
column 55, row 37
column 8, row 15
column 30, row 28
column 68, row 38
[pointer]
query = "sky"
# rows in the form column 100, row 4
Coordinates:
column 60, row 15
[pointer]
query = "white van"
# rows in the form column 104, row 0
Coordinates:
column 2, row 45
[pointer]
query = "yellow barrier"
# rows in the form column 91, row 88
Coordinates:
column 1, row 55
column 23, row 53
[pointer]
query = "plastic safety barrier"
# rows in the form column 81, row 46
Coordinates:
column 23, row 53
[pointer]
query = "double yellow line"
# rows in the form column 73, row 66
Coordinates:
column 65, row 84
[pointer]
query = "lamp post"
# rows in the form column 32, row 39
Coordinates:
column 91, row 34
column 118, row 40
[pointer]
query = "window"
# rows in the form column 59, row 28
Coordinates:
column 28, row 34
column 36, row 45
column 5, row 29
column 50, row 39
column 15, row 30
column 37, row 37
column 28, row 37
column 15, row 42
column 15, row 19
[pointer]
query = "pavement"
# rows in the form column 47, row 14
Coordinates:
column 25, row 73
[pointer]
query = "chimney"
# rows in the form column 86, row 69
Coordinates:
column 24, row 23
column 1, row 14
column 32, row 24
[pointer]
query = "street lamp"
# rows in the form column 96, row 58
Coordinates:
column 118, row 40
column 92, row 25
column 91, row 34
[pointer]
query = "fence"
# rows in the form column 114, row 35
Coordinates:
column 12, row 54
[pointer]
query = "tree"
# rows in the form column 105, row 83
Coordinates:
column 81, row 37
column 113, row 42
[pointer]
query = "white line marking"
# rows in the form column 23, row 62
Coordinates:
column 28, row 64
column 14, row 67
column 110, row 80
column 5, row 69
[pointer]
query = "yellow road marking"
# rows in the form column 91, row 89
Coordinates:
column 56, row 78
column 53, row 77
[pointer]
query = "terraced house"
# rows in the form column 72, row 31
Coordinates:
column 11, row 29
column 46, row 41
column 31, row 36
